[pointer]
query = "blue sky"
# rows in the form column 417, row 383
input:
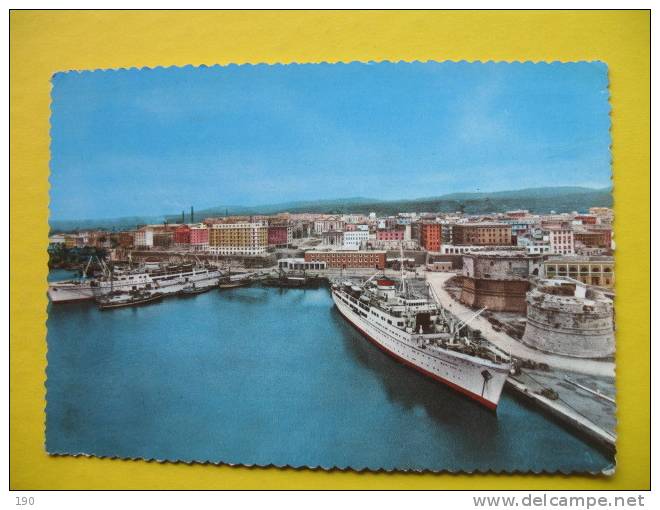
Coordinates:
column 156, row 141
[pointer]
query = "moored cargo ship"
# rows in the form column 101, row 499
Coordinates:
column 406, row 323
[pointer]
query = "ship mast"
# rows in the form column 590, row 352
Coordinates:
column 403, row 273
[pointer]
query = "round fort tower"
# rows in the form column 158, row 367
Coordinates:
column 564, row 317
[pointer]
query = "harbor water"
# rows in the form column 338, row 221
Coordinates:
column 262, row 376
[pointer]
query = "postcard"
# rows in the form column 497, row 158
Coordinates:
column 365, row 266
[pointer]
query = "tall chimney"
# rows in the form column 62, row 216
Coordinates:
column 183, row 216
column 192, row 214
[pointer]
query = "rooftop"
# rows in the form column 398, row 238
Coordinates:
column 504, row 253
column 484, row 224
column 580, row 258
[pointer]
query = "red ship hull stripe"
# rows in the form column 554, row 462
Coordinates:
column 487, row 403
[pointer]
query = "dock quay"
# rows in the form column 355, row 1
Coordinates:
column 594, row 367
column 577, row 392
column 593, row 418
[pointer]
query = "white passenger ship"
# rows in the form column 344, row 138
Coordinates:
column 406, row 323
column 165, row 279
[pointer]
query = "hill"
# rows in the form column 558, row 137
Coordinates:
column 536, row 200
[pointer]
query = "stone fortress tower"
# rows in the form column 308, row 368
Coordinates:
column 565, row 317
column 498, row 279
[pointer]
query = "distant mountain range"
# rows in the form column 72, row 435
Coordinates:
column 536, row 200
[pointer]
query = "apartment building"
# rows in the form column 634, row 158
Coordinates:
column 430, row 236
column 562, row 241
column 482, row 234
column 356, row 239
column 238, row 238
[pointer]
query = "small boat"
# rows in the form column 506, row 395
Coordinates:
column 193, row 290
column 292, row 280
column 124, row 299
column 229, row 283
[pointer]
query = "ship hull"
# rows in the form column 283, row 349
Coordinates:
column 136, row 302
column 195, row 292
column 233, row 285
column 63, row 293
column 67, row 293
column 462, row 375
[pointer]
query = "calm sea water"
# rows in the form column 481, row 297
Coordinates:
column 271, row 376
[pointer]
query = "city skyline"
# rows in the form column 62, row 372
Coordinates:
column 154, row 142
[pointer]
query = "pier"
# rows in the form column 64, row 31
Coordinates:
column 575, row 409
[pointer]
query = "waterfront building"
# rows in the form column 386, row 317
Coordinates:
column 76, row 240
column 162, row 238
column 482, row 234
column 355, row 240
column 562, row 241
column 430, row 236
column 182, row 235
column 348, row 259
column 104, row 239
column 450, row 249
column 144, row 238
column 57, row 239
column 238, row 238
column 299, row 264
column 70, row 241
column 567, row 318
column 199, row 237
column 498, row 280
column 280, row 235
column 125, row 239
column 590, row 270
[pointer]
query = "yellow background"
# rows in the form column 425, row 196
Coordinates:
column 45, row 42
